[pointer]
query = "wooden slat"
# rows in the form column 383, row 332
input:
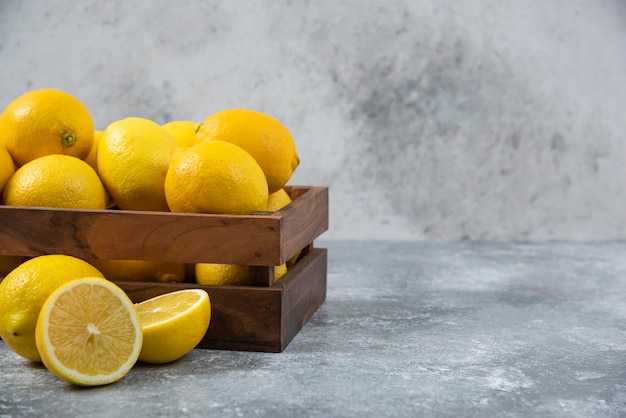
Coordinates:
column 259, row 239
column 255, row 318
column 264, row 317
column 242, row 318
column 310, row 205
column 301, row 298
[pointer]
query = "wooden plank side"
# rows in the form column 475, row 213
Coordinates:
column 302, row 297
column 242, row 318
column 305, row 220
column 115, row 234
column 263, row 239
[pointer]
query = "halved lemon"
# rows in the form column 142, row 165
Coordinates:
column 173, row 324
column 88, row 332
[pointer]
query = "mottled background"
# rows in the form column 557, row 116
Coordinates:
column 433, row 119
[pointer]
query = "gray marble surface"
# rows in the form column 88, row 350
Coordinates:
column 408, row 329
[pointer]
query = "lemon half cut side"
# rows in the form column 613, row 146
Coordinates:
column 88, row 332
column 173, row 324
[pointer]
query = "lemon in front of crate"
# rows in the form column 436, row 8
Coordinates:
column 265, row 138
column 141, row 270
column 88, row 332
column 56, row 181
column 43, row 122
column 7, row 167
column 183, row 131
column 173, row 324
column 215, row 177
column 133, row 157
column 217, row 274
column 25, row 289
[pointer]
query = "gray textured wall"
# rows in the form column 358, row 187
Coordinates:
column 433, row 119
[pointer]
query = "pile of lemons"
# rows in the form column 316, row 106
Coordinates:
column 236, row 161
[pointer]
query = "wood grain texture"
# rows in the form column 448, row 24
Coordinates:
column 255, row 318
column 262, row 317
column 305, row 217
column 302, row 297
column 264, row 239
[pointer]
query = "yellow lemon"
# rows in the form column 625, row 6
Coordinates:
column 24, row 291
column 215, row 177
column 183, row 131
column 268, row 141
column 222, row 274
column 88, row 332
column 58, row 181
column 279, row 272
column 173, row 324
column 133, row 157
column 216, row 274
column 141, row 270
column 43, row 122
column 278, row 200
column 7, row 167
column 91, row 157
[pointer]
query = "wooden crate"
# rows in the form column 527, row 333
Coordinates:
column 262, row 317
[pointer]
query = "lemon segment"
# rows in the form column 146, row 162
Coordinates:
column 173, row 324
column 88, row 332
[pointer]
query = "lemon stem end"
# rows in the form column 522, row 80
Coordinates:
column 68, row 139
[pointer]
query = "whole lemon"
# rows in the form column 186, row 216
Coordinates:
column 7, row 167
column 278, row 200
column 268, row 141
column 215, row 177
column 222, row 274
column 230, row 274
column 58, row 181
column 183, row 131
column 133, row 157
column 24, row 291
column 43, row 122
column 141, row 270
